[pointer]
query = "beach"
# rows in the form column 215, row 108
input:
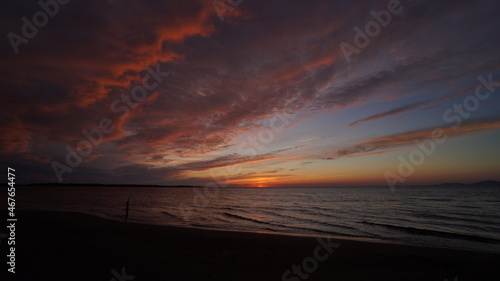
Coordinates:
column 73, row 246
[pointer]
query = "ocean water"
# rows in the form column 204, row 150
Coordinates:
column 457, row 217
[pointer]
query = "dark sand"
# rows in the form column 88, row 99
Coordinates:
column 69, row 246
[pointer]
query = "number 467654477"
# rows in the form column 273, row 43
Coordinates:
column 11, row 192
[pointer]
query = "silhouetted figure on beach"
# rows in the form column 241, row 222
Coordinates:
column 126, row 209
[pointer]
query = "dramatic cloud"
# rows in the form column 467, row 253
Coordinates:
column 227, row 80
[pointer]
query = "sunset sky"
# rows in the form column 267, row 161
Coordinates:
column 261, row 94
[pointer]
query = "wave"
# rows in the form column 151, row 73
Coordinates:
column 245, row 218
column 171, row 215
column 451, row 217
column 438, row 199
column 306, row 229
column 311, row 220
column 427, row 232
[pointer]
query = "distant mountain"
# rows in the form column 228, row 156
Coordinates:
column 479, row 183
column 451, row 184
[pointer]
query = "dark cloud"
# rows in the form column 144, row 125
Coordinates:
column 267, row 58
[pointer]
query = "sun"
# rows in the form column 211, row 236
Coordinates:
column 259, row 182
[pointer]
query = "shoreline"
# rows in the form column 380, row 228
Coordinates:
column 305, row 235
column 68, row 245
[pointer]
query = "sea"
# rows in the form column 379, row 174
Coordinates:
column 441, row 216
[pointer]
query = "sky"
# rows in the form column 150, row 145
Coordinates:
column 250, row 93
